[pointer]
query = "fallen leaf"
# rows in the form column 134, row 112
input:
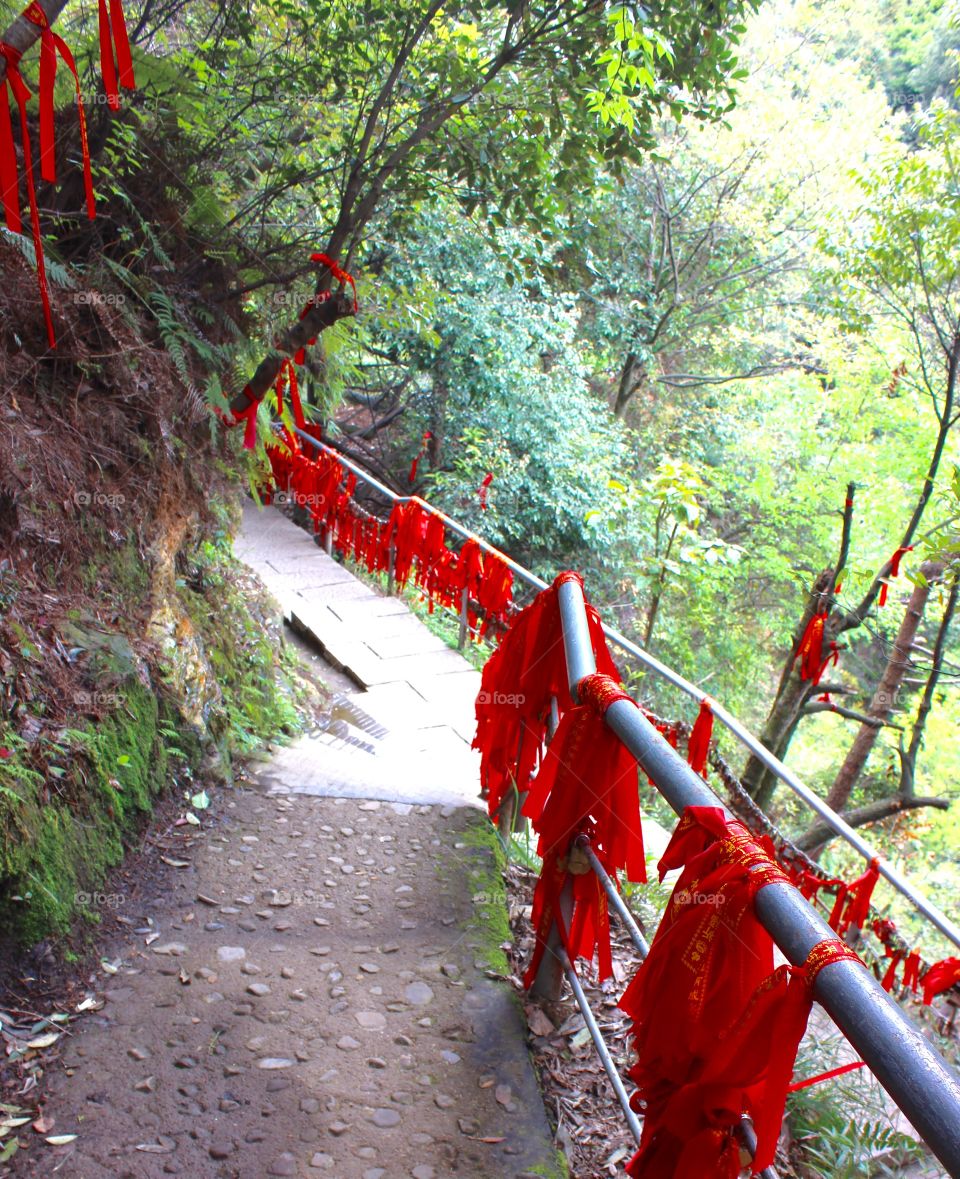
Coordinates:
column 175, row 863
column 582, row 1037
column 539, row 1023
column 61, row 1139
column 43, row 1125
column 44, row 1041
column 201, row 801
column 493, row 1141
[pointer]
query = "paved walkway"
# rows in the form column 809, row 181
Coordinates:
column 412, row 697
column 318, row 987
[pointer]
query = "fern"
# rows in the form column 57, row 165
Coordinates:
column 57, row 273
column 835, row 1145
column 171, row 331
column 147, row 230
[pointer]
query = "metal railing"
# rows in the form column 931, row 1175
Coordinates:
column 921, row 1083
column 949, row 928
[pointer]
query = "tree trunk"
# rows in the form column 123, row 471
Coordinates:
column 787, row 709
column 886, row 694
column 632, row 376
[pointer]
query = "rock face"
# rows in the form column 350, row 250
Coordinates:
column 238, row 1050
column 189, row 666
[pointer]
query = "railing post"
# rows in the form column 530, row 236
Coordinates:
column 507, row 813
column 549, row 981
column 464, row 617
column 391, row 561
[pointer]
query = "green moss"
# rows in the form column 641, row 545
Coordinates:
column 245, row 649
column 485, row 862
column 59, row 843
column 559, row 1171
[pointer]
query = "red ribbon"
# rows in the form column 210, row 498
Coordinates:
column 716, row 1027
column 699, row 744
column 339, row 274
column 50, row 46
column 810, row 649
column 419, row 455
column 587, row 784
column 8, row 172
column 484, row 489
column 313, row 301
column 248, row 415
column 113, row 31
column 894, row 571
column 940, row 977
column 288, row 376
column 827, row 1076
column 911, row 971
column 857, row 908
column 519, row 679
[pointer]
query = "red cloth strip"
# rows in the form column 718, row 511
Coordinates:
column 827, row 1076
column 894, row 571
column 339, row 274
column 22, row 96
column 50, row 45
column 699, row 744
column 287, row 376
column 9, row 180
column 810, row 648
column 419, row 455
column 113, row 31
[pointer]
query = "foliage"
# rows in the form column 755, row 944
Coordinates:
column 832, row 1141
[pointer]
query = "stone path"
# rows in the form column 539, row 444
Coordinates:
column 410, row 698
column 319, row 991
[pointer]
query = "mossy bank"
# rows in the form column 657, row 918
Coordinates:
column 105, row 711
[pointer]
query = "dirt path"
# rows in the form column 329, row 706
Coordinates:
column 317, row 1002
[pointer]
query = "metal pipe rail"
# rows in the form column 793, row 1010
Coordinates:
column 600, row 1044
column 921, row 1083
column 949, row 928
column 744, row 1129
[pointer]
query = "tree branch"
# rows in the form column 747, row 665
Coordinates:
column 819, row 835
column 849, row 713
